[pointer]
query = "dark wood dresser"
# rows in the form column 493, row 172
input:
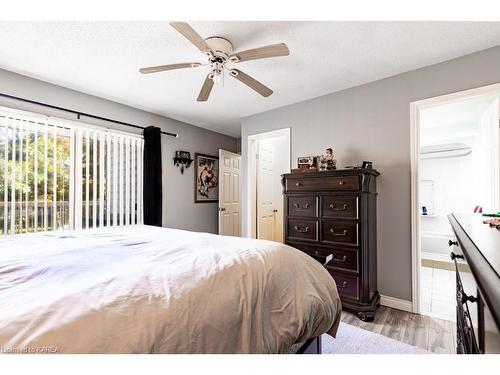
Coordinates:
column 478, row 305
column 333, row 214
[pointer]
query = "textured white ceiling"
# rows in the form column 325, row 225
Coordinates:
column 103, row 58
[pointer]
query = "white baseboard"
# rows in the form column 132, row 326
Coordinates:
column 396, row 303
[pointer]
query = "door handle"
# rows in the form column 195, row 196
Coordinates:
column 306, row 206
column 343, row 285
column 222, row 209
column 466, row 298
column 343, row 208
column 343, row 259
column 300, row 230
column 337, row 234
column 275, row 210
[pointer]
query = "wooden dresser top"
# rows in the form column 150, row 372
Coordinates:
column 481, row 246
column 334, row 172
column 485, row 238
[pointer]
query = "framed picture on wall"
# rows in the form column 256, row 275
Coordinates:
column 206, row 178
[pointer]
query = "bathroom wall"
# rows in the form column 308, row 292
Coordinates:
column 454, row 191
column 460, row 183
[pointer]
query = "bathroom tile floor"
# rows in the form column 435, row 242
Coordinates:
column 437, row 292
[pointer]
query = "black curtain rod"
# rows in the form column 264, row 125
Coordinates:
column 78, row 114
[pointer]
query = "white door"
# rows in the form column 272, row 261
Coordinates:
column 269, row 198
column 229, row 193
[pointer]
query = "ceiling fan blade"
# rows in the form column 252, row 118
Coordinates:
column 273, row 50
column 162, row 68
column 191, row 35
column 251, row 82
column 206, row 89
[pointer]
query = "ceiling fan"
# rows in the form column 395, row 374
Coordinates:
column 220, row 53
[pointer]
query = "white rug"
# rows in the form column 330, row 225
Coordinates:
column 354, row 340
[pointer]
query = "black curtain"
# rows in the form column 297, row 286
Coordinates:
column 152, row 176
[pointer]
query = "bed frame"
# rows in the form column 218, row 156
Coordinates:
column 311, row 346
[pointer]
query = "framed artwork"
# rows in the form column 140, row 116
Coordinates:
column 206, row 178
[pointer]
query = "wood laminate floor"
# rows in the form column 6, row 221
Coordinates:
column 432, row 334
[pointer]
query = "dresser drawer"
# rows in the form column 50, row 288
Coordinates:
column 343, row 207
column 339, row 232
column 303, row 206
column 342, row 259
column 322, row 183
column 347, row 285
column 303, row 229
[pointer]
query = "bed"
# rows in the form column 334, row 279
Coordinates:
column 143, row 289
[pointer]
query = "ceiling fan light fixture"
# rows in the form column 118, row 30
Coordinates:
column 217, row 71
column 216, row 78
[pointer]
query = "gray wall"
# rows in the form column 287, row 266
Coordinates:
column 179, row 209
column 372, row 122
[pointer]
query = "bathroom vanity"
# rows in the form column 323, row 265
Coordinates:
column 478, row 309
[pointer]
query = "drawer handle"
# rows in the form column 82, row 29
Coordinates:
column 298, row 229
column 466, row 298
column 343, row 259
column 306, row 206
column 338, row 234
column 343, row 208
column 298, row 184
column 457, row 256
column 341, row 182
column 452, row 243
column 343, row 285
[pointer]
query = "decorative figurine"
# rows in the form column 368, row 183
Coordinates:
column 327, row 162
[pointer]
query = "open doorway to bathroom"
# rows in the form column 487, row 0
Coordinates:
column 455, row 168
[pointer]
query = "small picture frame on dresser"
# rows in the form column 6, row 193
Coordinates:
column 306, row 162
column 366, row 165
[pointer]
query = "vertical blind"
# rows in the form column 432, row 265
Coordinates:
column 58, row 174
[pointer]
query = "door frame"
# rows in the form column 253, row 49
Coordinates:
column 252, row 173
column 415, row 108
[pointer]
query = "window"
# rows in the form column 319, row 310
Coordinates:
column 58, row 174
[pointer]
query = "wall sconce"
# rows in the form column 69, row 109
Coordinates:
column 183, row 159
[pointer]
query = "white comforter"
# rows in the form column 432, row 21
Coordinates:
column 154, row 290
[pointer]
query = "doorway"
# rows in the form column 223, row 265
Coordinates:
column 269, row 158
column 455, row 168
